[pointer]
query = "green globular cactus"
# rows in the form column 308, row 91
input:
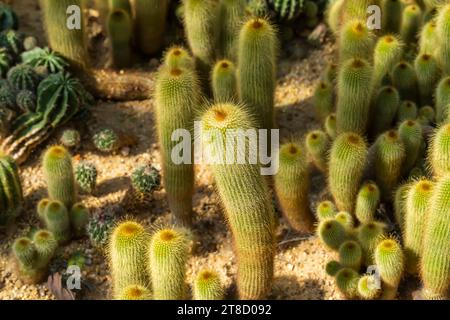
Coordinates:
column 99, row 227
column 367, row 286
column 404, row 78
column 242, row 189
column 350, row 255
column 5, row 61
column 407, row 110
column 356, row 41
column 70, row 138
column 330, row 126
column 411, row 23
column 389, row 161
column 58, row 173
column 168, row 254
column 347, row 282
column 391, row 17
column 435, row 260
column 207, row 286
column 346, row 219
column 331, row 233
column 292, row 186
column 411, row 134
column 23, row 77
column 26, row 101
column 150, row 18
column 231, row 17
column 317, row 145
column 135, row 292
column 367, row 202
column 323, row 100
column 428, row 38
column 145, row 179
column 439, row 155
column 332, row 268
column 399, row 203
column 427, row 115
column 11, row 195
column 428, row 75
column 79, row 218
column 417, row 204
column 176, row 99
column 390, row 261
column 86, row 177
column 200, row 21
column 120, row 30
column 224, row 82
column 178, row 58
column 257, row 69
column 443, row 34
column 354, row 88
column 442, row 100
column 51, row 60
column 368, row 235
column 106, row 140
column 347, row 161
column 128, row 257
column 388, row 52
column 325, row 210
column 71, row 41
column 40, row 208
column 12, row 40
column 57, row 221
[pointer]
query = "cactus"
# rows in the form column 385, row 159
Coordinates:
column 344, row 179
column 334, row 14
column 69, row 42
column 428, row 38
column 317, row 144
column 5, row 61
column 120, row 29
column 150, row 22
column 254, row 232
column 443, row 34
column 435, row 261
column 439, row 155
column 26, row 101
column 45, row 244
column 79, row 218
column 427, row 115
column 207, row 286
column 135, row 292
column 411, row 23
column 287, row 10
column 400, row 204
column 368, row 235
column 416, row 207
column 57, row 221
column 354, row 88
column 23, row 77
column 367, row 202
column 40, row 208
column 231, row 16
column 325, row 210
column 106, row 140
column 176, row 98
column 407, row 111
column 388, row 52
column 52, row 61
column 257, row 69
column 404, row 78
column 200, row 18
column 323, row 100
column 390, row 261
column 292, row 184
column 99, row 227
column 168, row 253
column 391, row 15
column 347, row 282
column 367, row 286
column 330, row 126
column 70, row 138
column 127, row 251
column 389, row 160
column 86, row 177
column 332, row 233
column 346, row 219
column 257, row 8
column 178, row 58
column 428, row 75
column 58, row 173
column 329, row 75
column 350, row 255
column 332, row 268
column 12, row 40
column 124, row 5
column 224, row 83
column 11, row 196
column 411, row 134
column 356, row 41
column 8, row 18
column 442, row 100
column 145, row 179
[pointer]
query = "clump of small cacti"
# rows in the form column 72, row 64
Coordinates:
column 323, row 100
column 318, row 144
column 79, row 218
column 439, row 157
column 224, row 82
column 207, row 286
column 70, row 138
column 106, row 140
column 120, row 30
column 86, row 176
column 23, row 77
column 390, row 261
column 367, row 202
column 10, row 191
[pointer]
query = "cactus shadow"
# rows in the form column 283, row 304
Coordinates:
column 289, row 288
column 112, row 185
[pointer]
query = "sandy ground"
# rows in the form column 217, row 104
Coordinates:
column 300, row 259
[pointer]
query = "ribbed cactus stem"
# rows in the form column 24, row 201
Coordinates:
column 207, row 286
column 411, row 134
column 388, row 52
column 350, row 255
column 404, row 78
column 135, row 292
column 331, row 233
column 439, row 154
column 57, row 221
column 428, row 38
column 367, row 202
column 178, row 58
column 411, row 23
column 79, row 218
column 369, row 234
column 390, row 261
column 224, row 83
column 318, row 144
column 384, row 109
column 325, row 210
column 391, row 15
column 347, row 282
column 356, row 41
column 428, row 74
column 442, row 97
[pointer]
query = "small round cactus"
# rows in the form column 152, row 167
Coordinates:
column 332, row 233
column 224, row 82
column 49, row 60
column 23, row 77
column 29, row 43
column 407, row 110
column 40, row 208
column 332, row 268
column 347, row 282
column 367, row 286
column 106, row 140
column 70, row 138
column 57, row 221
column 99, row 227
column 26, row 101
column 367, row 202
column 346, row 219
column 325, row 210
column 350, row 255
column 86, row 177
column 207, row 286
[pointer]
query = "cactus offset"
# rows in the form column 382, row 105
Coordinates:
column 391, row 19
column 70, row 138
column 407, row 111
column 367, row 202
column 57, row 221
column 23, row 77
column 224, row 82
column 388, row 52
column 350, row 255
column 207, row 286
column 332, row 268
column 331, row 233
column 347, row 282
column 318, row 144
column 367, row 287
column 411, row 134
column 369, row 234
column 404, row 78
column 79, row 218
column 330, row 126
column 411, row 23
column 325, row 210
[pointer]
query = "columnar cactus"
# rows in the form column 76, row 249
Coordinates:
column 367, row 202
column 411, row 134
column 390, row 261
column 350, row 255
column 69, row 42
column 23, row 77
column 224, row 83
column 391, row 15
column 411, row 23
column 334, row 14
column 404, row 78
column 254, row 232
column 347, row 160
column 416, row 211
column 332, row 268
column 231, row 16
column 369, row 234
column 400, row 204
column 325, row 210
column 168, row 253
column 57, row 221
column 323, row 100
column 58, row 173
column 128, row 256
column 10, row 191
column 439, row 155
column 428, row 75
column 257, row 69
column 354, row 88
column 443, row 34
column 318, row 144
column 176, row 99
column 120, row 30
column 356, row 41
column 332, row 233
column 388, row 52
column 207, row 286
column 427, row 115
column 442, row 100
column 40, row 208
column 178, row 58
column 292, row 186
column 428, row 38
column 79, row 218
